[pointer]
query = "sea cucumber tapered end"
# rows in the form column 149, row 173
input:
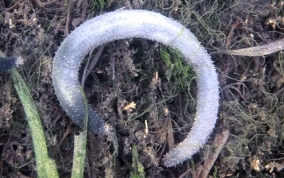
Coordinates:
column 7, row 63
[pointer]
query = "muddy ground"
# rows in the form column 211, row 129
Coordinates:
column 136, row 80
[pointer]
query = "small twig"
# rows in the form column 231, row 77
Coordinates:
column 237, row 23
column 66, row 133
column 85, row 75
column 170, row 133
column 16, row 5
column 95, row 60
column 110, row 3
column 40, row 4
column 218, row 142
column 189, row 170
column 88, row 167
column 237, row 89
column 279, row 92
column 258, row 50
column 71, row 5
column 112, row 64
column 88, row 67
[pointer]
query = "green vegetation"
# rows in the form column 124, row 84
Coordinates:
column 137, row 166
column 80, row 146
column 46, row 167
column 98, row 4
column 178, row 71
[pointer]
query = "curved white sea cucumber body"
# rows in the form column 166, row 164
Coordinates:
column 137, row 24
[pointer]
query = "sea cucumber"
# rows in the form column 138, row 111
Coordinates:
column 7, row 63
column 137, row 24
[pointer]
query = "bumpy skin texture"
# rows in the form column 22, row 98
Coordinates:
column 139, row 24
column 7, row 63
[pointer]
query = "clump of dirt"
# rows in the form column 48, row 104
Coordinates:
column 146, row 92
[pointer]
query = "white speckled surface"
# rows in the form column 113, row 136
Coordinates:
column 140, row 24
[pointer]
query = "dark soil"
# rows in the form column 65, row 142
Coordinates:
column 133, row 86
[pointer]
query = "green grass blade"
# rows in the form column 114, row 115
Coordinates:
column 80, row 146
column 46, row 167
